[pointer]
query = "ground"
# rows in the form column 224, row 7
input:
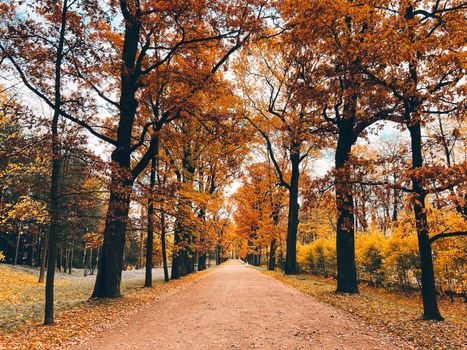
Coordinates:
column 22, row 298
column 238, row 307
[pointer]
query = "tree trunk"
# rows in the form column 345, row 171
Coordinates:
column 54, row 208
column 53, row 230
column 18, row 236
column 272, row 250
column 150, row 238
column 43, row 259
column 85, row 261
column 164, row 251
column 110, row 265
column 176, row 252
column 345, row 239
column 430, row 305
column 70, row 266
column 272, row 255
column 202, row 262
column 292, row 224
column 218, row 255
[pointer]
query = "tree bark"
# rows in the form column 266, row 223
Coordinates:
column 345, row 239
column 218, row 254
column 272, row 255
column 18, row 236
column 111, row 256
column 176, row 252
column 202, row 262
column 150, row 238
column 110, row 265
column 292, row 224
column 164, row 251
column 54, row 208
column 43, row 259
column 430, row 305
column 71, row 254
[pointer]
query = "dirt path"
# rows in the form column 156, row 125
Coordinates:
column 236, row 307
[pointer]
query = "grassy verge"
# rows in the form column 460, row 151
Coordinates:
column 76, row 323
column 22, row 297
column 394, row 312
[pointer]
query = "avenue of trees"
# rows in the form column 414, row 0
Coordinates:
column 126, row 125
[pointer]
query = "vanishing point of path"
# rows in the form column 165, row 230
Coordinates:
column 237, row 307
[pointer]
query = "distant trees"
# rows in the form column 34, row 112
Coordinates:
column 284, row 120
column 260, row 211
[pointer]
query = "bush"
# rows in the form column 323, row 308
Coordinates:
column 395, row 259
column 369, row 255
column 402, row 261
column 318, row 258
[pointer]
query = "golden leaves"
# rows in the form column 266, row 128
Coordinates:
column 389, row 311
column 82, row 321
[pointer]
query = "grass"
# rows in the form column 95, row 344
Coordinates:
column 22, row 297
column 391, row 311
column 77, row 317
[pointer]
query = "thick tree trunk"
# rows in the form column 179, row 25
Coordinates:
column 184, row 260
column 430, row 305
column 150, row 238
column 218, row 254
column 183, row 257
column 345, row 239
column 110, row 263
column 292, row 224
column 273, row 247
column 202, row 262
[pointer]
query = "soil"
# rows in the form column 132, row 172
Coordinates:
column 238, row 307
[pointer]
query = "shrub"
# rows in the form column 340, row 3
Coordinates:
column 369, row 255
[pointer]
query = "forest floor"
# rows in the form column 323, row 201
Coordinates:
column 22, row 297
column 236, row 307
column 395, row 312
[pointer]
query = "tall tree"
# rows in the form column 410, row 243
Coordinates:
column 333, row 35
column 425, row 77
column 54, row 19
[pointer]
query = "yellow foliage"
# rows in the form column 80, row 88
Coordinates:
column 318, row 257
column 395, row 258
column 369, row 249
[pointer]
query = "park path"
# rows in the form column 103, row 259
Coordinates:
column 238, row 307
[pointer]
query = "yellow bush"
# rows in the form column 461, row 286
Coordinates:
column 369, row 253
column 318, row 257
column 395, row 259
column 401, row 260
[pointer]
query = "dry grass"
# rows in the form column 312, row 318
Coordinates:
column 394, row 312
column 77, row 318
column 22, row 297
